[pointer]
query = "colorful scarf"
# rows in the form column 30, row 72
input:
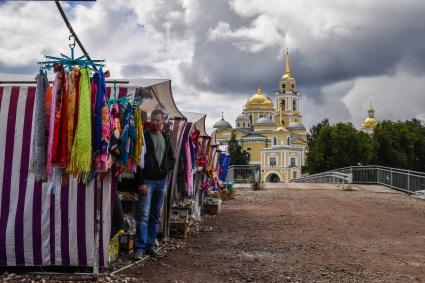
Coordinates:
column 101, row 123
column 38, row 157
column 72, row 94
column 51, row 113
column 81, row 153
column 138, row 148
column 128, row 135
column 188, row 170
column 115, row 137
column 60, row 120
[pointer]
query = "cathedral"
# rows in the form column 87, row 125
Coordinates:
column 370, row 122
column 271, row 132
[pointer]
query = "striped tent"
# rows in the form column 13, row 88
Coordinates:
column 38, row 226
column 42, row 227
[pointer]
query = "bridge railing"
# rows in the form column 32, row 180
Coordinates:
column 332, row 177
column 399, row 179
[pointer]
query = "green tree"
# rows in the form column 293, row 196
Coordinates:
column 400, row 144
column 335, row 146
column 238, row 155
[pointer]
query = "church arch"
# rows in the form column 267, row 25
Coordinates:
column 273, row 177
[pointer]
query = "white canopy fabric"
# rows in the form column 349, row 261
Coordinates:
column 198, row 119
column 162, row 94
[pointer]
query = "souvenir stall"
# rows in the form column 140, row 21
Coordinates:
column 200, row 142
column 212, row 184
column 66, row 141
column 157, row 94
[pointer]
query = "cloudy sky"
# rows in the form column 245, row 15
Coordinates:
column 344, row 53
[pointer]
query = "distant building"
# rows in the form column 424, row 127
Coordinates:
column 370, row 122
column 272, row 133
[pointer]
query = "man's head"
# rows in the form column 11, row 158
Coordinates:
column 157, row 119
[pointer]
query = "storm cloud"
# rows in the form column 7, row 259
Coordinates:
column 344, row 54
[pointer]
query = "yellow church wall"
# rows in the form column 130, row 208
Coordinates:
column 254, row 148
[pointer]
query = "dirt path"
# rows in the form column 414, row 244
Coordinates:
column 309, row 234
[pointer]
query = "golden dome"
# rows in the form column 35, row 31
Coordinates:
column 370, row 123
column 259, row 100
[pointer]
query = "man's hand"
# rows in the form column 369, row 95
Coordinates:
column 143, row 190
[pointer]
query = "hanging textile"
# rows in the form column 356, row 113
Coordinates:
column 139, row 146
column 101, row 123
column 81, row 153
column 60, row 120
column 39, row 145
column 192, row 154
column 116, row 133
column 72, row 94
column 128, row 135
column 188, row 168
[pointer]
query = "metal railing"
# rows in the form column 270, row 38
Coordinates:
column 243, row 173
column 332, row 177
column 398, row 179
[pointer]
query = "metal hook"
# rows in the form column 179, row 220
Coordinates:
column 72, row 45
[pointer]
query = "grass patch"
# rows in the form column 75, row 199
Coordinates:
column 349, row 189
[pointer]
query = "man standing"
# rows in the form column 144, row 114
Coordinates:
column 152, row 180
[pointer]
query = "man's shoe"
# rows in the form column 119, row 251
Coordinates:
column 139, row 255
column 153, row 253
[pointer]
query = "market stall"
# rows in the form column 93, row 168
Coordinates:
column 53, row 223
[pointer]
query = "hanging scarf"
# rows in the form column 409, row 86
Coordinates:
column 38, row 157
column 138, row 148
column 72, row 94
column 128, row 135
column 101, row 123
column 60, row 120
column 188, row 170
column 51, row 128
column 115, row 137
column 81, row 153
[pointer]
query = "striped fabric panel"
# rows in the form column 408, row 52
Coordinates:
column 38, row 227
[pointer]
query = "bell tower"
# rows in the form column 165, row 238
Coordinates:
column 287, row 98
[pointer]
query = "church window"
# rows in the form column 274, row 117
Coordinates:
column 272, row 161
column 250, row 118
column 292, row 86
column 274, row 141
column 238, row 124
column 293, row 161
column 283, row 86
column 294, row 105
column 244, row 124
column 283, row 104
column 294, row 174
column 289, row 141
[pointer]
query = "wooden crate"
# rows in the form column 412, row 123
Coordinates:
column 212, row 209
column 179, row 230
column 211, row 201
column 179, row 215
column 126, row 244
